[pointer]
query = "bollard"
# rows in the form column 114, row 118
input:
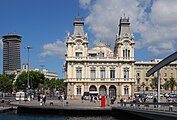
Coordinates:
column 102, row 101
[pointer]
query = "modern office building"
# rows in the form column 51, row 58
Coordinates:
column 11, row 53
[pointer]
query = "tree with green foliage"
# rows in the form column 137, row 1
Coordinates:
column 54, row 84
column 171, row 83
column 6, row 82
column 143, row 85
column 154, row 83
column 35, row 78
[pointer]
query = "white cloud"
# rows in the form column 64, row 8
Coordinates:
column 154, row 20
column 84, row 3
column 54, row 49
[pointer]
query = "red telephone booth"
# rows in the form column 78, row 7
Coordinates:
column 102, row 101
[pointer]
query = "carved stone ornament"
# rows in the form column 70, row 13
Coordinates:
column 79, row 41
column 78, row 47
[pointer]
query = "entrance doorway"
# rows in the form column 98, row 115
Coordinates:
column 112, row 91
column 102, row 90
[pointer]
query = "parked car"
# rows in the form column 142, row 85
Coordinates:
column 149, row 95
column 139, row 95
column 172, row 95
column 86, row 95
column 166, row 95
column 161, row 95
column 20, row 96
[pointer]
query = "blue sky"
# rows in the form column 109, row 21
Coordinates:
column 44, row 25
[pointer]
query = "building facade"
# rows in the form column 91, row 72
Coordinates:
column 146, row 84
column 11, row 53
column 46, row 72
column 103, row 71
column 99, row 70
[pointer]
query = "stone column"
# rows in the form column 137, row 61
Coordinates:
column 132, row 89
column 119, row 90
column 86, row 89
column 107, row 89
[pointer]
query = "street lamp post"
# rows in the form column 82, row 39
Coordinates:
column 28, row 47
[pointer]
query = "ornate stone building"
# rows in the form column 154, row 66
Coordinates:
column 103, row 71
column 100, row 70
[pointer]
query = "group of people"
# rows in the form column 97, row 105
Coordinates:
column 42, row 99
column 61, row 97
column 93, row 98
column 123, row 102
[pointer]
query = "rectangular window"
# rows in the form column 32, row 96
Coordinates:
column 102, row 74
column 78, row 90
column 92, row 74
column 126, row 73
column 112, row 74
column 78, row 54
column 138, row 81
column 138, row 74
column 78, row 73
column 92, row 54
column 126, row 91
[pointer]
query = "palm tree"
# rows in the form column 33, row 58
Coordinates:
column 171, row 83
column 143, row 85
column 166, row 85
column 154, row 83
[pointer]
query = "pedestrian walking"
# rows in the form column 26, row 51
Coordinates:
column 155, row 101
column 91, row 99
column 125, row 102
column 171, row 106
column 41, row 99
column 38, row 97
column 82, row 98
column 121, row 101
column 44, row 99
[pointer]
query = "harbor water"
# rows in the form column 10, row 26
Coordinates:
column 13, row 115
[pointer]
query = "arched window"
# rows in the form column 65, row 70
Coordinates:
column 126, row 53
column 112, row 91
column 102, row 90
column 93, row 88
